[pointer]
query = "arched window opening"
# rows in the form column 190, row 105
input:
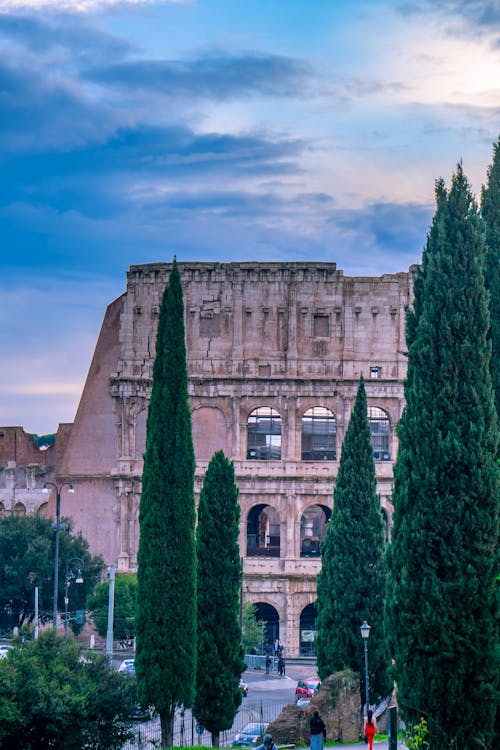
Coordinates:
column 312, row 529
column 264, row 434
column 19, row 509
column 270, row 619
column 308, row 630
column 43, row 510
column 319, row 435
column 2, row 510
column 379, row 426
column 263, row 532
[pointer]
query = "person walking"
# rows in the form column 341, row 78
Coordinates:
column 269, row 661
column 317, row 728
column 370, row 728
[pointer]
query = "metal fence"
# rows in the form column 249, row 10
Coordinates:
column 148, row 734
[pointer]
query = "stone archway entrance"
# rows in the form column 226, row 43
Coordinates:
column 308, row 630
column 267, row 614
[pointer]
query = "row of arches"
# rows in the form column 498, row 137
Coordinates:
column 19, row 509
column 269, row 617
column 263, row 530
column 318, row 433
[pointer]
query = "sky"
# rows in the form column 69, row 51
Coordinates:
column 218, row 130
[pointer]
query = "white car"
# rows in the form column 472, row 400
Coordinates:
column 127, row 665
column 4, row 647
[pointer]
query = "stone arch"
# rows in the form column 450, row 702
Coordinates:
column 269, row 615
column 209, row 431
column 19, row 509
column 318, row 435
column 263, row 531
column 312, row 529
column 380, row 427
column 264, row 434
column 2, row 510
column 308, row 630
column 43, row 510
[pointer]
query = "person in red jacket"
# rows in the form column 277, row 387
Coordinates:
column 370, row 728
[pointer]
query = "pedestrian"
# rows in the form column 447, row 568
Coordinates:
column 268, row 744
column 318, row 731
column 269, row 661
column 281, row 666
column 370, row 728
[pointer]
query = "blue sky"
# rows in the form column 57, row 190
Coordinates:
column 218, row 130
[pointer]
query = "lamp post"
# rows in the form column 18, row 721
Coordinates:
column 365, row 634
column 57, row 527
column 70, row 576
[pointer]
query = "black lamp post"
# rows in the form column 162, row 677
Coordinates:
column 57, row 527
column 70, row 576
column 365, row 634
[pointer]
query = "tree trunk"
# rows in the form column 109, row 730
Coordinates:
column 167, row 728
column 215, row 739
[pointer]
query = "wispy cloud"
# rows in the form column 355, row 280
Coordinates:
column 214, row 76
column 80, row 6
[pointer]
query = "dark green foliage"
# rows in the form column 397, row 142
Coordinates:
column 253, row 629
column 441, row 594
column 490, row 210
column 351, row 584
column 50, row 698
column 124, row 607
column 166, row 576
column 27, row 560
column 44, row 441
column 220, row 654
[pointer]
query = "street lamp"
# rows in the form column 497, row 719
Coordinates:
column 57, row 526
column 365, row 634
column 70, row 576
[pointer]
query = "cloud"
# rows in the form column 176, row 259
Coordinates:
column 62, row 34
column 79, row 6
column 214, row 76
column 463, row 18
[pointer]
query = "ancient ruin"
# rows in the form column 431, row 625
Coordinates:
column 275, row 352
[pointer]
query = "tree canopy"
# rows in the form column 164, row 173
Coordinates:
column 490, row 211
column 351, row 583
column 166, row 573
column 220, row 653
column 50, row 697
column 124, row 607
column 441, row 608
column 27, row 560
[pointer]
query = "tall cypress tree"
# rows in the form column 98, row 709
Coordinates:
column 351, row 583
column 166, row 574
column 441, row 591
column 220, row 653
column 490, row 210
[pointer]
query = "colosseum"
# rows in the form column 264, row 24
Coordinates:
column 275, row 352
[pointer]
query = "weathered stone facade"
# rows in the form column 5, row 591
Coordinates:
column 275, row 352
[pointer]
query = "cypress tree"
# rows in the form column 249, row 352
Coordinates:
column 490, row 210
column 166, row 574
column 351, row 584
column 220, row 653
column 441, row 590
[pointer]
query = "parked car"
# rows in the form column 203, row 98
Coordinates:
column 243, row 688
column 251, row 735
column 127, row 665
column 303, row 702
column 307, row 688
